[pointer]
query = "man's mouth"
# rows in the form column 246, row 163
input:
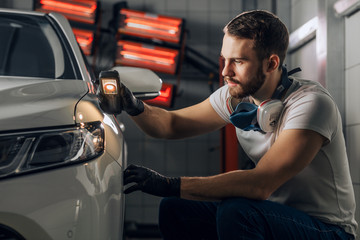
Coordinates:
column 231, row 82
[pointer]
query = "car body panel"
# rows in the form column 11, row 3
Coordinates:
column 82, row 201
column 87, row 110
column 78, row 202
column 38, row 103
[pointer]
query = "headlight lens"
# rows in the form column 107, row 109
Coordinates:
column 21, row 153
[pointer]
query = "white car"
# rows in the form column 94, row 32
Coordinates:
column 61, row 155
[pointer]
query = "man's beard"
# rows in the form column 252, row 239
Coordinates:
column 248, row 89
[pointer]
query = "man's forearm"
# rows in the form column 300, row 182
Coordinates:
column 181, row 123
column 155, row 122
column 239, row 183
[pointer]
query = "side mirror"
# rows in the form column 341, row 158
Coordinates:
column 143, row 83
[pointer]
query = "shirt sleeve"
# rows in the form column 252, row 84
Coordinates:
column 218, row 102
column 313, row 111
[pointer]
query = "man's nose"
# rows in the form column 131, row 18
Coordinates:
column 227, row 70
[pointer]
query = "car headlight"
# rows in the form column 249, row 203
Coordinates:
column 21, row 153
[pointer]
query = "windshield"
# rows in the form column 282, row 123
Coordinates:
column 30, row 47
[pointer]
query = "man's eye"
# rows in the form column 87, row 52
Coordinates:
column 237, row 61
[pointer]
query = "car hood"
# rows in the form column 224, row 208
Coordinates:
column 36, row 103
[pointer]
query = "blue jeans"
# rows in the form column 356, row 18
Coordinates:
column 240, row 218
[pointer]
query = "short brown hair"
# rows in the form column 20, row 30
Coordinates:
column 270, row 35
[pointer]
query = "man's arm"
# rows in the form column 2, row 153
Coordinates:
column 186, row 122
column 291, row 153
column 160, row 123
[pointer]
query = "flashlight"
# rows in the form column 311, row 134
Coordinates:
column 109, row 92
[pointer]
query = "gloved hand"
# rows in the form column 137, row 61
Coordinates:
column 131, row 104
column 151, row 182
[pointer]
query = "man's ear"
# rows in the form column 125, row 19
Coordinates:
column 273, row 63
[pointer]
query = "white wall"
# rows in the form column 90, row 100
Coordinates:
column 301, row 12
column 352, row 100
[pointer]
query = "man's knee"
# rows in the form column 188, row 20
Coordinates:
column 168, row 218
column 236, row 207
column 237, row 216
column 186, row 219
column 166, row 210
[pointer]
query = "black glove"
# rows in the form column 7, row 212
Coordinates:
column 131, row 104
column 151, row 182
